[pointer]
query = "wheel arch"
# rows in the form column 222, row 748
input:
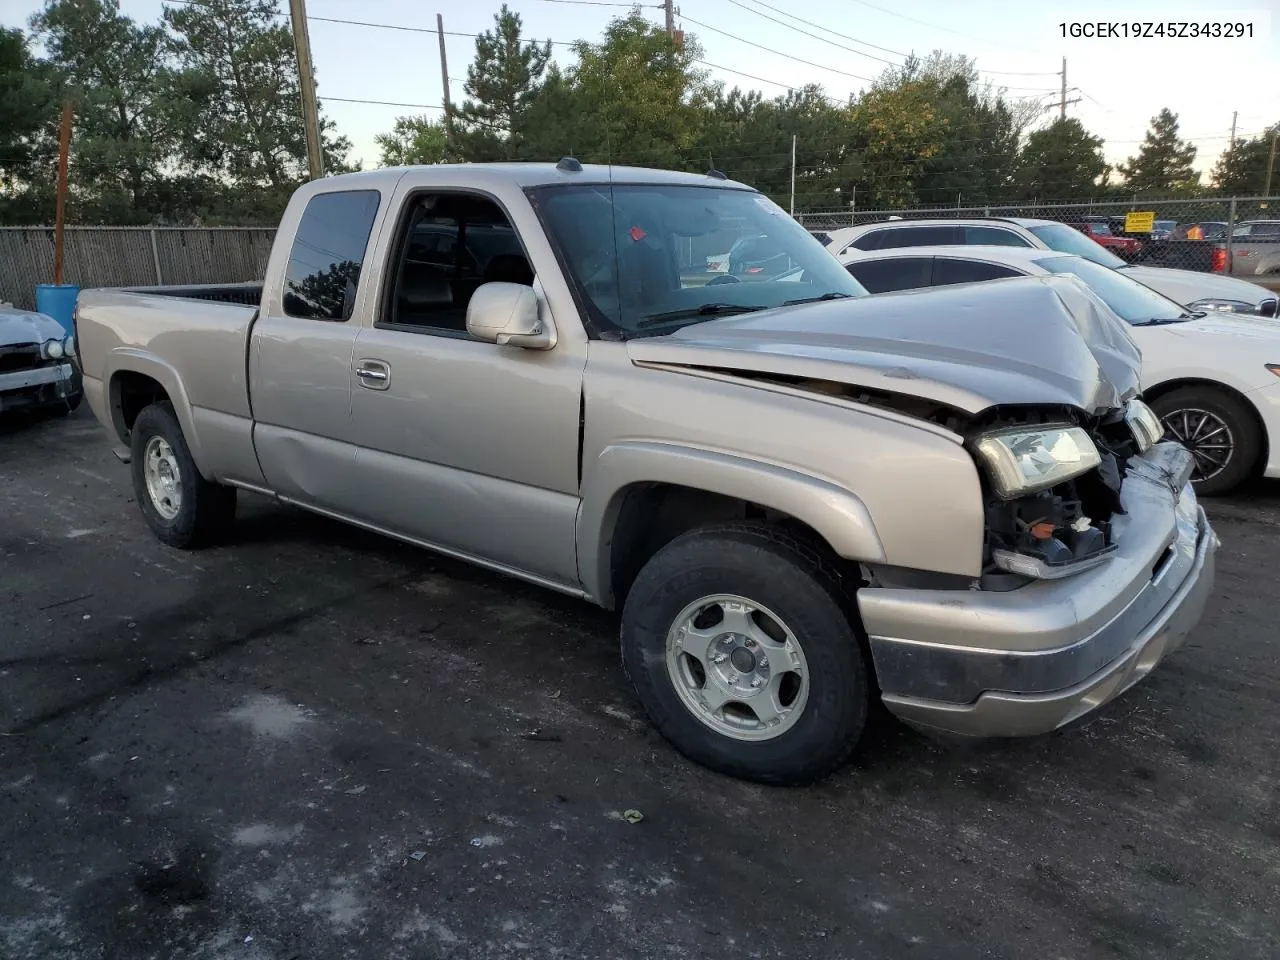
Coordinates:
column 1166, row 387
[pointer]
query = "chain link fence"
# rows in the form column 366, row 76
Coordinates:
column 130, row 256
column 1237, row 235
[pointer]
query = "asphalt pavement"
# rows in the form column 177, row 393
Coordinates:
column 313, row 742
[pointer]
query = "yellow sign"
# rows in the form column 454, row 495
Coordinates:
column 1140, row 222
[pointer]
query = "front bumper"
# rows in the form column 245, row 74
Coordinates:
column 1030, row 660
column 39, row 385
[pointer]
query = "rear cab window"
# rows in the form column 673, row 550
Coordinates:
column 329, row 247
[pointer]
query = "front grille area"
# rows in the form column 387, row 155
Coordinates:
column 1268, row 307
column 13, row 359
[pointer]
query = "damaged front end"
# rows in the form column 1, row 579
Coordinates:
column 1052, row 481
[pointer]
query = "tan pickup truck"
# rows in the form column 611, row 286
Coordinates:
column 801, row 498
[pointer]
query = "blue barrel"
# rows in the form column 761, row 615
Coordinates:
column 58, row 300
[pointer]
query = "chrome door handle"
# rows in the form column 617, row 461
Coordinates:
column 374, row 374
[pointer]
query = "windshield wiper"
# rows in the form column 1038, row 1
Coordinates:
column 706, row 310
column 834, row 295
column 1162, row 321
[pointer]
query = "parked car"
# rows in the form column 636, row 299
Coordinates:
column 1163, row 229
column 1100, row 232
column 1255, row 249
column 35, row 370
column 1213, row 380
column 798, row 496
column 1198, row 291
column 1211, row 230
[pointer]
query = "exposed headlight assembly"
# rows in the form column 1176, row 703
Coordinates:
column 1023, row 460
column 1145, row 425
column 1220, row 305
column 52, row 350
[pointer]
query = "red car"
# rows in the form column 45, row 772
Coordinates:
column 1100, row 231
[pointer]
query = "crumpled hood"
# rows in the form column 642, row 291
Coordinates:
column 18, row 328
column 1188, row 286
column 1029, row 340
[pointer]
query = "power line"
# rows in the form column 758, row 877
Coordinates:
column 779, row 53
column 816, row 36
column 874, row 46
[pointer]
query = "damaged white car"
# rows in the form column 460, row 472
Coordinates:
column 36, row 371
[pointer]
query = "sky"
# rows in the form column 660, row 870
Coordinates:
column 1120, row 83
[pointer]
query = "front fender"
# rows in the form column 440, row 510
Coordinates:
column 134, row 360
column 835, row 513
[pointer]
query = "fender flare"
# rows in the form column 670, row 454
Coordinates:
column 835, row 513
column 132, row 360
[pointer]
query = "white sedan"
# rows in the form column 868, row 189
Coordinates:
column 1213, row 379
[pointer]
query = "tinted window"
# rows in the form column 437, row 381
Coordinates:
column 328, row 251
column 993, row 236
column 918, row 237
column 968, row 271
column 894, row 273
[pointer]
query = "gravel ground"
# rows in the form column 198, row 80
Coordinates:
column 317, row 743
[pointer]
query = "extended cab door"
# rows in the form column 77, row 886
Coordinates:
column 465, row 445
column 301, row 346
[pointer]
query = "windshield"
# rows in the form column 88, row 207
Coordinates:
column 1102, row 229
column 648, row 258
column 1065, row 239
column 1135, row 303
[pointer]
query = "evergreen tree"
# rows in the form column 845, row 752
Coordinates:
column 1062, row 161
column 502, row 84
column 1163, row 162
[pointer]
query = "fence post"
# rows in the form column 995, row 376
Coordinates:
column 1231, row 229
column 155, row 256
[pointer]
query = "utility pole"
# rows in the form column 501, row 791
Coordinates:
column 64, row 149
column 1234, row 114
column 1063, row 101
column 668, row 7
column 1271, row 164
column 1062, row 104
column 793, row 175
column 444, row 80
column 307, row 83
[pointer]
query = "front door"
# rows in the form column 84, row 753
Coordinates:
column 463, row 444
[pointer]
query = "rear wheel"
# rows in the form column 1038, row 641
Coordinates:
column 1218, row 429
column 181, row 507
column 741, row 645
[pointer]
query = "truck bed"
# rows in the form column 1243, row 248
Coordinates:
column 202, row 331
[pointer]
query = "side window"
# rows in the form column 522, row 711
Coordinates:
column 892, row 273
column 919, row 237
column 449, row 245
column 946, row 270
column 993, row 236
column 328, row 252
column 868, row 241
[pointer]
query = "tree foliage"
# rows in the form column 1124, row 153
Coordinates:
column 1242, row 169
column 1163, row 161
column 28, row 105
column 1060, row 160
column 417, row 139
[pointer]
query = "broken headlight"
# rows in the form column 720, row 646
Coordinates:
column 1145, row 425
column 1023, row 460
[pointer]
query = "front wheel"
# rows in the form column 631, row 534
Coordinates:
column 181, row 507
column 741, row 645
column 1218, row 429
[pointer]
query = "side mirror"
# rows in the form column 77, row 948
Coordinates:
column 507, row 313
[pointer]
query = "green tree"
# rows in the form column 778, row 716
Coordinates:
column 1242, row 170
column 412, row 140
column 502, row 84
column 131, row 106
column 1163, row 161
column 28, row 118
column 249, row 133
column 641, row 97
column 1059, row 162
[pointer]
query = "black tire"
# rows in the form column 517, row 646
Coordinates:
column 207, row 509
column 790, row 577
column 1246, row 437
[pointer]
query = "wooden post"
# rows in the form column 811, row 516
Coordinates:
column 307, row 86
column 444, row 83
column 64, row 148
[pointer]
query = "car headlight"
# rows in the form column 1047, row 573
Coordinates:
column 1220, row 305
column 1145, row 425
column 52, row 350
column 1025, row 459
